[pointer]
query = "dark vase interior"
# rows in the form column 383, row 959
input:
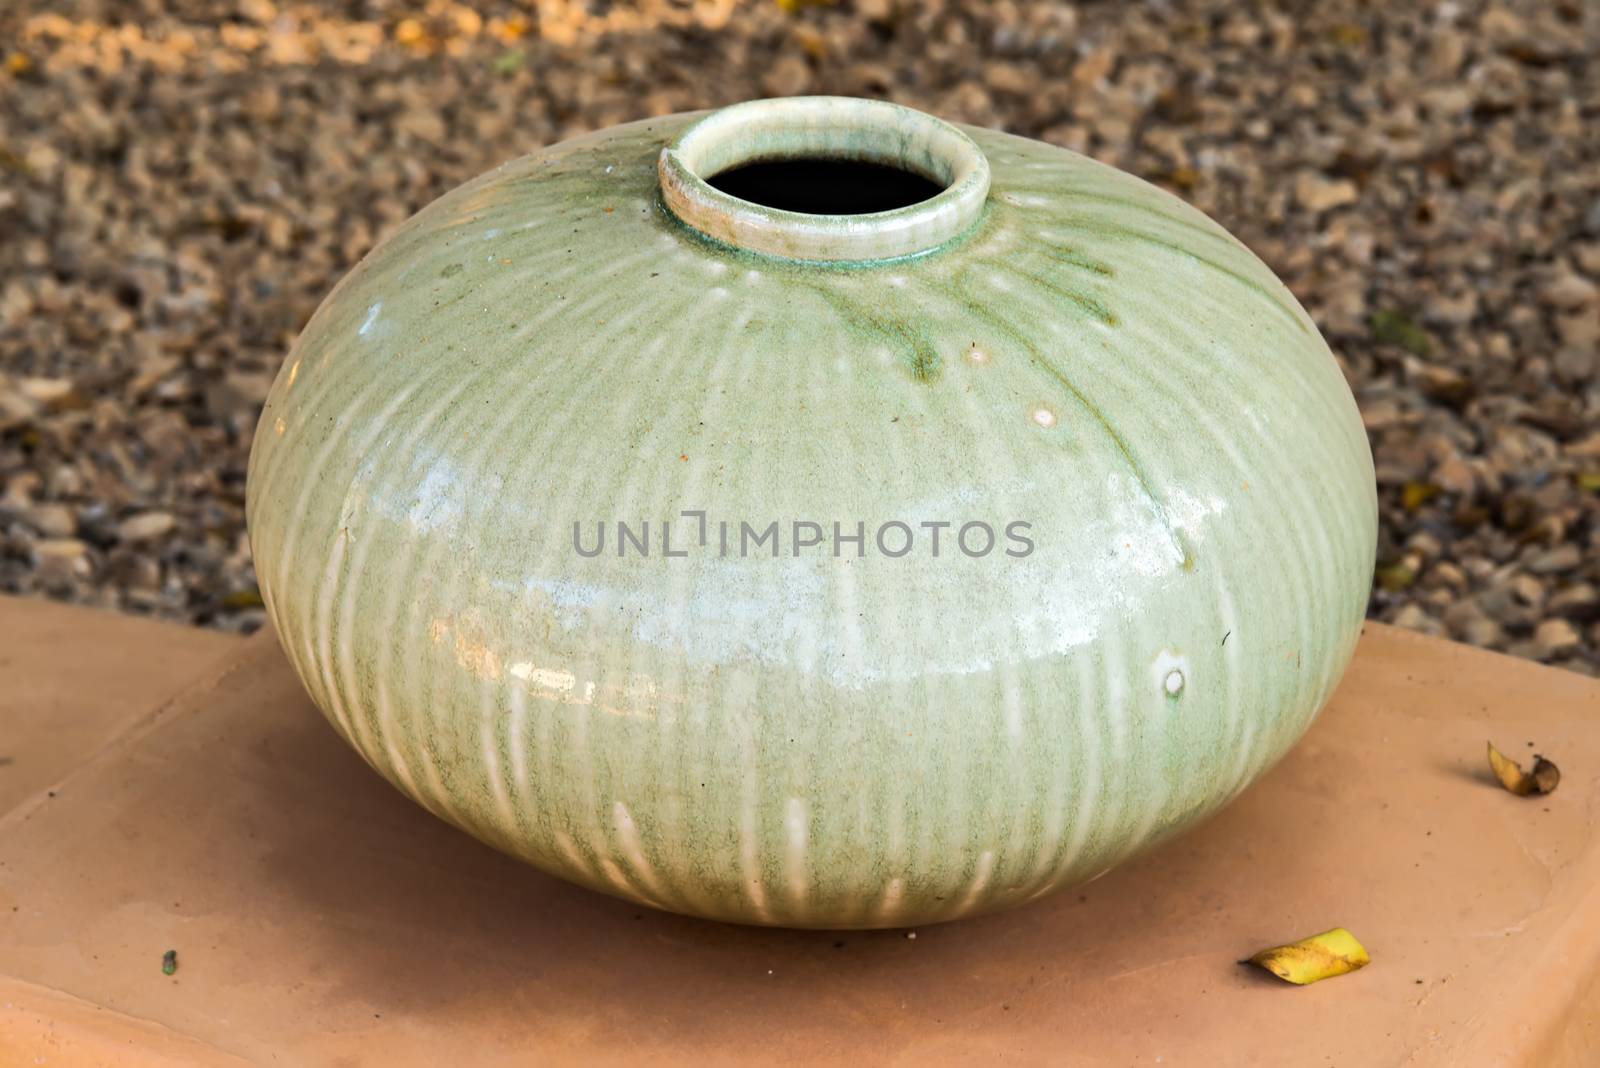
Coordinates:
column 825, row 186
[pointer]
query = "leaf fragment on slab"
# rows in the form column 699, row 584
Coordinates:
column 1543, row 779
column 1313, row 959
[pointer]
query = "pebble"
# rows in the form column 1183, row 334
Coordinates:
column 1555, row 637
column 53, row 520
column 1318, row 194
column 1561, row 558
column 147, row 526
column 1581, row 600
column 1469, row 623
column 1529, row 590
column 1414, row 617
column 1569, row 290
column 61, row 558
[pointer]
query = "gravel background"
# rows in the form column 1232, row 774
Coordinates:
column 182, row 180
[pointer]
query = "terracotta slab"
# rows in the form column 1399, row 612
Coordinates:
column 73, row 678
column 320, row 918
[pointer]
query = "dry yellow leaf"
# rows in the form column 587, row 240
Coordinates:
column 1416, row 494
column 1543, row 779
column 1312, row 959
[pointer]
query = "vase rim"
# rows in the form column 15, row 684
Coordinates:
column 832, row 128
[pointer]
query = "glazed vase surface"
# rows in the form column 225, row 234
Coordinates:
column 592, row 345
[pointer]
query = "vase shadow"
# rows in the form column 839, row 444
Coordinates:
column 420, row 919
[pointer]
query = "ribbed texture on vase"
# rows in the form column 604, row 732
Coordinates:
column 813, row 741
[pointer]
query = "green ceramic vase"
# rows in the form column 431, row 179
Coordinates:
column 850, row 570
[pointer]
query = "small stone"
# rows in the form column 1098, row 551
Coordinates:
column 248, row 388
column 1579, row 330
column 1468, row 622
column 789, row 76
column 1094, row 67
column 20, row 489
column 1448, row 574
column 1318, row 194
column 1569, row 290
column 1581, row 600
column 16, row 407
column 1529, row 590
column 1412, row 617
column 1451, row 311
column 1561, row 558
column 1555, row 637
column 53, row 520
column 1359, row 247
column 1010, row 78
column 1587, row 448
column 60, row 559
column 1500, row 25
column 1483, row 632
column 1448, row 101
column 1504, row 606
column 51, row 392
column 1425, row 545
column 1448, row 52
column 1576, row 364
column 147, row 526
column 1442, row 383
column 1455, row 475
column 422, row 122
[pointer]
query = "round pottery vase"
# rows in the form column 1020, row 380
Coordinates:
column 818, row 570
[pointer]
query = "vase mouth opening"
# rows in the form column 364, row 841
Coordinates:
column 825, row 178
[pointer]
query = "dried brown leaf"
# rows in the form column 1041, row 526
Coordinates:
column 1543, row 779
column 1313, row 959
